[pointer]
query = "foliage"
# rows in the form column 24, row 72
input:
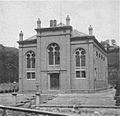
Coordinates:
column 113, row 60
column 7, row 87
column 113, row 65
column 113, row 78
column 8, row 64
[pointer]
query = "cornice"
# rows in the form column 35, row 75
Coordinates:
column 88, row 38
column 54, row 28
column 27, row 42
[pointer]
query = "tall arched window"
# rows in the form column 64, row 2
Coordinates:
column 80, row 56
column 30, row 56
column 54, row 54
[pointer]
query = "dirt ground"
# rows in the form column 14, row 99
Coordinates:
column 105, row 98
column 102, row 98
column 98, row 98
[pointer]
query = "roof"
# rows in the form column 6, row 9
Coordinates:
column 89, row 38
column 60, row 24
column 74, row 33
column 31, row 38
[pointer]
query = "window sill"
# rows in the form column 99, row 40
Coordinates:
column 30, row 68
column 80, row 69
column 83, row 67
column 54, row 65
column 30, row 79
column 80, row 78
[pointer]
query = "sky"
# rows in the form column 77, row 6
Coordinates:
column 15, row 16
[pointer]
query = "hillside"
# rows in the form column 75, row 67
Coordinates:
column 8, row 64
column 113, row 65
column 113, row 58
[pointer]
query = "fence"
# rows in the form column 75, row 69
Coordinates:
column 66, row 111
column 17, row 111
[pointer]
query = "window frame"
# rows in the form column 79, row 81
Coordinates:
column 80, row 70
column 55, row 49
column 31, row 69
column 32, row 60
column 80, row 52
column 31, row 75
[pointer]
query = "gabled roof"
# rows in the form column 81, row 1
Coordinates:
column 60, row 24
column 76, row 33
column 31, row 38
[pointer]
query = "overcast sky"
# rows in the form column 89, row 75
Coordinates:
column 15, row 16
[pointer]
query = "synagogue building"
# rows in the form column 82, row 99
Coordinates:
column 61, row 58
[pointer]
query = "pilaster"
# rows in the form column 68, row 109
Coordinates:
column 68, row 62
column 21, row 85
column 38, row 61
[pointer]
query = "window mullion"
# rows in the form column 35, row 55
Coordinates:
column 80, row 74
column 30, row 62
column 53, row 58
column 30, row 75
column 80, row 60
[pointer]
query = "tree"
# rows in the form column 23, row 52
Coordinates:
column 117, row 94
column 8, row 64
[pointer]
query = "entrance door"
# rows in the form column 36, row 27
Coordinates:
column 54, row 81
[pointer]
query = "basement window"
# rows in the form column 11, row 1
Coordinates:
column 80, row 74
column 30, row 75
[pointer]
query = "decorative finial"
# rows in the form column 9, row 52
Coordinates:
column 21, row 33
column 21, row 36
column 90, row 30
column 38, row 23
column 67, row 20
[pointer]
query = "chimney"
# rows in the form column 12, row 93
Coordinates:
column 55, row 23
column 67, row 20
column 38, row 23
column 51, row 23
column 21, row 36
column 90, row 30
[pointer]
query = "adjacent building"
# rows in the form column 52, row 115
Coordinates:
column 60, row 58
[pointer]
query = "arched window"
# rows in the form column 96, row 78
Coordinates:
column 30, row 56
column 54, row 54
column 80, row 56
column 30, row 60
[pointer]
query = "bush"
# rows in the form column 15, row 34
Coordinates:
column 9, row 90
column 6, row 91
column 117, row 94
column 1, row 91
column 113, row 78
